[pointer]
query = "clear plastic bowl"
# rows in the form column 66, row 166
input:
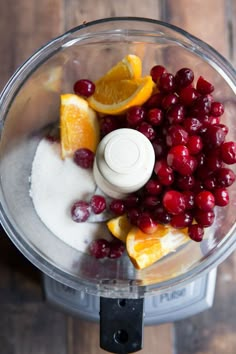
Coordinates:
column 30, row 103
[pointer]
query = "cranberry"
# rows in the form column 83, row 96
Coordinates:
column 176, row 135
column 116, row 249
column 153, row 187
column 196, row 232
column 214, row 136
column 146, row 224
column 131, row 201
column 150, row 202
column 176, row 156
column 201, row 106
column 147, row 130
column 194, row 144
column 224, row 128
column 135, row 116
column 117, row 206
column 133, row 215
column 168, row 100
column 228, row 152
column 156, row 72
column 225, row 177
column 167, row 82
column 213, row 161
column 80, row 211
column 181, row 220
column 203, row 86
column 84, row 158
column 155, row 116
column 188, row 95
column 84, row 88
column 192, row 125
column 217, row 109
column 164, row 172
column 201, row 158
column 185, row 183
column 189, row 199
column 174, row 202
column 198, row 186
column 221, row 196
column 188, row 166
column 99, row 248
column 154, row 101
column 159, row 147
column 161, row 216
column 184, row 77
column 108, row 124
column 98, row 204
column 204, row 218
column 176, row 114
column 210, row 183
column 205, row 200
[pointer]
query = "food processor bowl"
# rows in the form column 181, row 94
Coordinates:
column 29, row 106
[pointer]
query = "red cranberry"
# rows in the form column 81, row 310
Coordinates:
column 156, row 72
column 155, row 116
column 201, row 106
column 214, row 136
column 217, row 109
column 225, row 177
column 224, row 128
column 185, row 183
column 135, row 116
column 117, row 206
column 133, row 215
column 176, row 135
column 84, row 158
column 228, row 152
column 159, row 147
column 203, row 86
column 99, row 248
column 204, row 218
column 161, row 216
column 188, row 95
column 146, row 224
column 131, row 201
column 167, row 82
column 80, row 211
column 98, row 204
column 192, row 125
column 154, row 101
column 196, row 232
column 176, row 156
column 213, row 162
column 188, row 166
column 198, row 186
column 108, row 124
column 210, row 183
column 181, row 220
column 84, row 88
column 184, row 77
column 194, row 144
column 174, row 202
column 150, row 202
column 153, row 187
column 164, row 172
column 221, row 196
column 116, row 249
column 205, row 200
column 168, row 100
column 147, row 130
column 189, row 199
column 176, row 114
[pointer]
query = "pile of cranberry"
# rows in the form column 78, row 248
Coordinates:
column 191, row 174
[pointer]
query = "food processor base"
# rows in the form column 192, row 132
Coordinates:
column 178, row 303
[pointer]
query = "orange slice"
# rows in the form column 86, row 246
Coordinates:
column 79, row 126
column 128, row 68
column 115, row 97
column 119, row 227
column 146, row 249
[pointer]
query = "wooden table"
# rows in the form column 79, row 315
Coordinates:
column 27, row 324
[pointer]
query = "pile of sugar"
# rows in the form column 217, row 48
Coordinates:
column 55, row 185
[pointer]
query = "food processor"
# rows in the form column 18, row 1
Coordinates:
column 112, row 291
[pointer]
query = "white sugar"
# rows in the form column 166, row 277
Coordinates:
column 55, row 185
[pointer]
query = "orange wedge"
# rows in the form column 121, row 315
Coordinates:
column 146, row 249
column 79, row 126
column 115, row 97
column 119, row 227
column 128, row 68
